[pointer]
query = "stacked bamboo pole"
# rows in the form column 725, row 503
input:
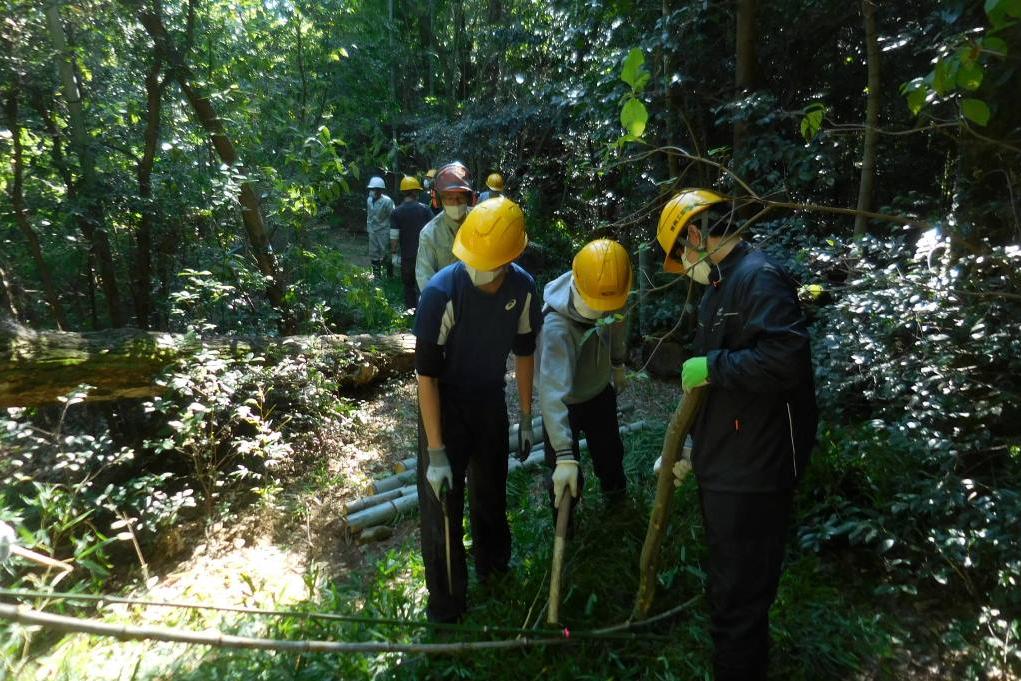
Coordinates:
column 398, row 493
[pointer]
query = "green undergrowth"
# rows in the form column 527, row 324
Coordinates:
column 820, row 627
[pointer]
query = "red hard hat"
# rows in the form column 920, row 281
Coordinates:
column 452, row 177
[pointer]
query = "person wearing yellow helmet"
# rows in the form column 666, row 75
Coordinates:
column 472, row 314
column 494, row 187
column 581, row 369
column 754, row 434
column 406, row 223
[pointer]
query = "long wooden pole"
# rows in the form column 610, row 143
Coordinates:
column 673, row 441
column 557, row 571
column 123, row 632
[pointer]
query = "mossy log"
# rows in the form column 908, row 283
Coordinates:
column 37, row 367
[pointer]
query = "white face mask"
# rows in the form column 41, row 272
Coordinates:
column 700, row 271
column 582, row 308
column 482, row 277
column 428, row 184
column 456, row 212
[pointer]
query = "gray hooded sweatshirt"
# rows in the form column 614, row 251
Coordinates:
column 573, row 359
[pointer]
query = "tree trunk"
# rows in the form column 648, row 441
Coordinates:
column 251, row 208
column 92, row 218
column 21, row 212
column 143, row 239
column 868, row 154
column 39, row 367
column 746, row 72
column 8, row 306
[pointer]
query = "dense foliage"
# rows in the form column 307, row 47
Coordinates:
column 196, row 167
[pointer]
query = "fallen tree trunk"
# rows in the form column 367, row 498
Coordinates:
column 38, row 367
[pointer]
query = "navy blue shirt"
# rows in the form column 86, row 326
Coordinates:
column 464, row 334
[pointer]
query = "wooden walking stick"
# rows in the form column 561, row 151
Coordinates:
column 557, row 573
column 673, row 441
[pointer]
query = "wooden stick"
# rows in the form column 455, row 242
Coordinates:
column 676, row 432
column 40, row 558
column 123, row 632
column 557, row 571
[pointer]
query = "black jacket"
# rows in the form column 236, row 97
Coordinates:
column 408, row 219
column 757, row 428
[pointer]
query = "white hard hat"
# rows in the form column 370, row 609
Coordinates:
column 377, row 183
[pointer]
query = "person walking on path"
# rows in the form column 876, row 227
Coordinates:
column 494, row 187
column 755, row 432
column 378, row 210
column 581, row 370
column 435, row 243
column 471, row 316
column 406, row 222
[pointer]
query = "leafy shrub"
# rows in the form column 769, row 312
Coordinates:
column 335, row 296
column 918, row 367
column 219, row 421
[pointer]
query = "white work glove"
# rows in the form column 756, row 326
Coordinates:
column 396, row 259
column 439, row 473
column 681, row 469
column 525, row 437
column 7, row 539
column 618, row 374
column 565, row 475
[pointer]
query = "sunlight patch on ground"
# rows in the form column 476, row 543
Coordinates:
column 261, row 575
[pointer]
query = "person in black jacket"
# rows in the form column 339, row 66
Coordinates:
column 755, row 432
column 406, row 222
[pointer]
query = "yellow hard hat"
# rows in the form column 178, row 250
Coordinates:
column 675, row 217
column 492, row 235
column 410, row 184
column 495, row 182
column 431, row 173
column 602, row 274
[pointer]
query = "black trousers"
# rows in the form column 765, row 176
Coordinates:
column 597, row 420
column 408, row 280
column 746, row 534
column 475, row 434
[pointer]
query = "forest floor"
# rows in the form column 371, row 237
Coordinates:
column 279, row 551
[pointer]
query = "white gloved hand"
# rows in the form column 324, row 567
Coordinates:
column 565, row 475
column 439, row 474
column 7, row 539
column 681, row 469
column 396, row 259
column 618, row 375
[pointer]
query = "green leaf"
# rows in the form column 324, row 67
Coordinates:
column 970, row 76
column 633, row 117
column 631, row 72
column 1006, row 7
column 975, row 110
column 997, row 46
column 812, row 121
column 916, row 100
column 944, row 76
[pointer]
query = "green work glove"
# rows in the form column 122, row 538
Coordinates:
column 695, row 373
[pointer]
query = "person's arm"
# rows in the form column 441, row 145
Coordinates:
column 776, row 359
column 425, row 266
column 429, row 403
column 395, row 234
column 556, row 376
column 524, row 372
